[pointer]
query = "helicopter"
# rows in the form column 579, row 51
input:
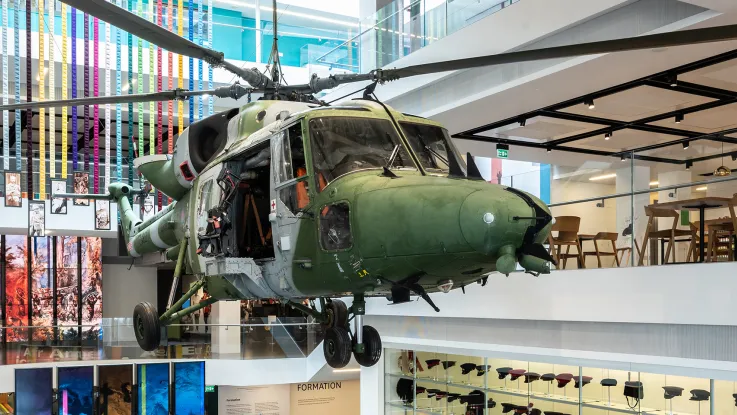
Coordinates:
column 293, row 199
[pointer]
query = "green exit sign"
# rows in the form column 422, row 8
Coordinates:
column 209, row 388
column 502, row 153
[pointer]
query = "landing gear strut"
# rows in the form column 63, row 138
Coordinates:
column 365, row 343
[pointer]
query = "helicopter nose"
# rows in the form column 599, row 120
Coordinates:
column 486, row 220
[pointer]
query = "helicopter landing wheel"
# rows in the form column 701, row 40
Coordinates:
column 337, row 347
column 371, row 347
column 146, row 326
column 336, row 314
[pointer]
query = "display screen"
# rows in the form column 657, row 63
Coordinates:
column 16, row 286
column 75, row 390
column 33, row 391
column 189, row 388
column 116, row 389
column 153, row 389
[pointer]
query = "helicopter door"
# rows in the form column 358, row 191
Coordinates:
column 291, row 193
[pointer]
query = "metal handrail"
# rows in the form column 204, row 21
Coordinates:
column 641, row 192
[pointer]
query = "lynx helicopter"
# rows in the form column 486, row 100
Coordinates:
column 293, row 199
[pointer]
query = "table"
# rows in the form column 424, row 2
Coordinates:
column 700, row 205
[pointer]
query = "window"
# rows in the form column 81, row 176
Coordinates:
column 290, row 164
column 432, row 146
column 341, row 145
column 335, row 227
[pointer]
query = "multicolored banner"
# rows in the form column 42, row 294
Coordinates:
column 64, row 86
column 170, row 109
column 210, row 100
column 151, row 86
column 191, row 63
column 108, row 52
column 29, row 98
column 131, row 150
column 180, row 79
column 159, row 105
column 96, row 108
column 16, row 44
column 6, row 128
column 41, row 97
column 52, row 92
column 141, row 152
column 118, row 107
column 86, row 92
column 75, row 134
column 200, row 41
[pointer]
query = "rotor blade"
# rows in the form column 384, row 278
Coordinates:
column 679, row 38
column 163, row 38
column 235, row 91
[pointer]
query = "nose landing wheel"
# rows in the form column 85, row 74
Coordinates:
column 371, row 347
column 339, row 344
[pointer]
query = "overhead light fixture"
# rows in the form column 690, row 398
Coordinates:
column 688, row 165
column 549, row 150
column 358, row 369
column 722, row 171
column 655, row 183
column 673, row 80
column 522, row 122
column 589, row 103
column 607, row 136
column 603, row 177
column 686, row 144
column 679, row 118
column 734, row 157
column 623, row 158
column 701, row 189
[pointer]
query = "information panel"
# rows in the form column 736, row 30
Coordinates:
column 189, row 388
column 76, row 390
column 33, row 391
column 116, row 389
column 153, row 389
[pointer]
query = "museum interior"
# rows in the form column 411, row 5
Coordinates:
column 377, row 207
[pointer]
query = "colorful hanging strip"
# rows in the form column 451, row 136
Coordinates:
column 96, row 108
column 180, row 81
column 86, row 131
column 159, row 105
column 75, row 135
column 118, row 107
column 6, row 128
column 151, row 86
column 210, row 100
column 29, row 98
column 52, row 91
column 140, row 87
column 107, row 107
column 191, row 63
column 131, row 151
column 170, row 108
column 16, row 44
column 200, row 41
column 64, row 94
column 41, row 97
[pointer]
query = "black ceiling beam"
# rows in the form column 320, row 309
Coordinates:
column 714, row 136
column 543, row 146
column 692, row 89
column 674, row 72
column 622, row 124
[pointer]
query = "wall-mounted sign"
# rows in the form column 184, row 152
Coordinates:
column 209, row 388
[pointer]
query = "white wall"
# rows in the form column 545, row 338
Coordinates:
column 124, row 288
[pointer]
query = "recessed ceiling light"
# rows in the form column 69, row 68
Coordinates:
column 701, row 189
column 655, row 183
column 679, row 118
column 686, row 145
column 607, row 136
column 346, row 370
column 603, row 177
column 589, row 103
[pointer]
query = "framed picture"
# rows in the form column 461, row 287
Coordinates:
column 36, row 218
column 81, row 187
column 102, row 215
column 58, row 204
column 13, row 189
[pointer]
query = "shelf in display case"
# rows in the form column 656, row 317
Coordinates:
column 622, row 408
column 438, row 382
column 412, row 410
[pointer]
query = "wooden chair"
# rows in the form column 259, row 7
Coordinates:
column 720, row 242
column 604, row 236
column 693, row 249
column 567, row 228
column 653, row 213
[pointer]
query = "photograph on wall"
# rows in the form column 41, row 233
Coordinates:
column 58, row 204
column 91, row 249
column 33, row 391
column 37, row 219
column 66, row 281
column 81, row 187
column 102, row 215
column 42, row 306
column 153, row 389
column 116, row 389
column 147, row 207
column 189, row 388
column 75, row 386
column 12, row 189
column 16, row 286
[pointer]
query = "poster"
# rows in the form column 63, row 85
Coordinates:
column 248, row 400
column 42, row 305
column 116, row 389
column 189, row 388
column 153, row 389
column 102, row 215
column 58, row 204
column 37, row 219
column 317, row 398
column 33, row 391
column 91, row 249
column 81, row 187
column 16, row 286
column 12, row 189
column 66, row 280
column 75, row 390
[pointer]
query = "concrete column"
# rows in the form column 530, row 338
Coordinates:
column 670, row 179
column 372, row 389
column 226, row 340
column 625, row 180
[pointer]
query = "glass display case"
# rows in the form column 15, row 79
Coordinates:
column 418, row 382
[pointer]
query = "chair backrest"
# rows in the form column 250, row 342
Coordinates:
column 606, row 236
column 567, row 227
column 654, row 212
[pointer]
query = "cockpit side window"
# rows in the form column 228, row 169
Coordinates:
column 432, row 146
column 342, row 145
column 291, row 165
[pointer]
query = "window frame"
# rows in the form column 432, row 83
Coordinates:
column 283, row 135
column 350, row 224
